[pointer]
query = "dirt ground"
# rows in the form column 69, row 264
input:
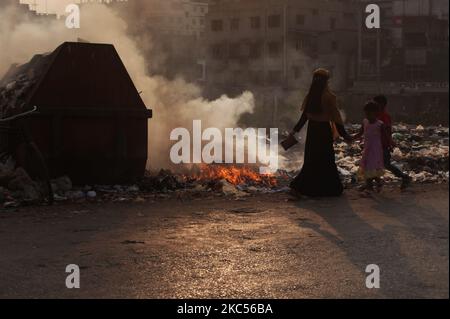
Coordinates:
column 266, row 246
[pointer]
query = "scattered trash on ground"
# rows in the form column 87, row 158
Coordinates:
column 421, row 152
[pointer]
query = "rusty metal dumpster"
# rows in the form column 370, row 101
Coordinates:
column 91, row 122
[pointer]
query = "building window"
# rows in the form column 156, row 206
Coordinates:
column 255, row 50
column 274, row 48
column 234, row 24
column 300, row 19
column 216, row 25
column 255, row 22
column 274, row 21
column 332, row 23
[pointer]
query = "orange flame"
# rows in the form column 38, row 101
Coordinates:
column 235, row 175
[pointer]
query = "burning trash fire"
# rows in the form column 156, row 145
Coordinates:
column 421, row 151
column 236, row 175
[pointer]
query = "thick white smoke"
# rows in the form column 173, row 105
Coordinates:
column 175, row 103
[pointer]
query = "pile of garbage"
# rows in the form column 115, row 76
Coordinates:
column 421, row 152
column 15, row 183
column 17, row 188
column 12, row 96
column 18, row 83
column 166, row 181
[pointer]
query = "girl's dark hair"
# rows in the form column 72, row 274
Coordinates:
column 314, row 100
column 381, row 100
column 371, row 107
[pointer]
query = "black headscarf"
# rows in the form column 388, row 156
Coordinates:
column 319, row 84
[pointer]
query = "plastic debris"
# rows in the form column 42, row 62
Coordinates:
column 421, row 152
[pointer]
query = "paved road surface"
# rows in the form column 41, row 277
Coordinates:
column 264, row 247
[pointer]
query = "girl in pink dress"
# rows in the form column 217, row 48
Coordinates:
column 372, row 164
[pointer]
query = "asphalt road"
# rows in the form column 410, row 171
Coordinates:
column 266, row 246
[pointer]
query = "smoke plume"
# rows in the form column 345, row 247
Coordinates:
column 175, row 103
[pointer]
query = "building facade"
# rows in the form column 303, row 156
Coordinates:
column 410, row 64
column 413, row 42
column 175, row 31
column 278, row 43
column 271, row 47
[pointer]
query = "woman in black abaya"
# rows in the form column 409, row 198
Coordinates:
column 319, row 175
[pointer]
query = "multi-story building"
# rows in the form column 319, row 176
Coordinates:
column 275, row 43
column 412, row 39
column 407, row 59
column 195, row 17
column 175, row 29
column 46, row 7
column 22, row 7
column 422, row 39
column 272, row 46
column 173, row 17
column 28, row 9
